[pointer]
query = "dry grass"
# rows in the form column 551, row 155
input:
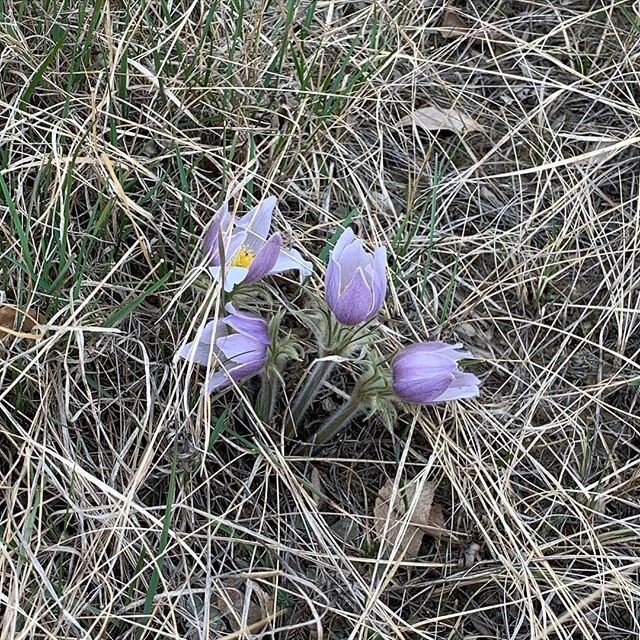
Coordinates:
column 133, row 507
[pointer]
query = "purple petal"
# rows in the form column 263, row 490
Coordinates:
column 218, row 227
column 248, row 324
column 352, row 258
column 217, row 381
column 451, row 351
column 354, row 304
column 265, row 259
column 200, row 349
column 421, row 391
column 332, row 283
column 427, row 372
column 380, row 261
column 421, row 377
column 241, row 349
column 221, row 379
column 411, row 365
column 343, row 241
column 257, row 223
column 348, row 258
column 247, row 370
column 465, row 385
column 290, row 259
column 380, row 279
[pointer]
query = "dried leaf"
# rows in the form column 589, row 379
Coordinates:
column 436, row 119
column 471, row 555
column 15, row 322
column 436, row 521
column 346, row 529
column 318, row 490
column 392, row 515
column 244, row 603
column 452, row 25
column 478, row 338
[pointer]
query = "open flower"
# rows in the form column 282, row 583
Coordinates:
column 428, row 372
column 248, row 252
column 356, row 280
column 235, row 355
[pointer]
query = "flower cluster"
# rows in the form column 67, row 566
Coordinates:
column 240, row 344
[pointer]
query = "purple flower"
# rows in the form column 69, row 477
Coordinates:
column 428, row 372
column 236, row 355
column 248, row 252
column 356, row 280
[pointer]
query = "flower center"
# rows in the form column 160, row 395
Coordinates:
column 243, row 257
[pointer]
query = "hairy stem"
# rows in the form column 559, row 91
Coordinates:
column 306, row 395
column 333, row 425
column 268, row 396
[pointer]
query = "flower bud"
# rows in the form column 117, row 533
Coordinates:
column 428, row 372
column 356, row 281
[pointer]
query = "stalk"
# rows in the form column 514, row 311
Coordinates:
column 305, row 396
column 333, row 425
column 268, row 396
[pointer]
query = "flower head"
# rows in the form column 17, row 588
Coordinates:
column 248, row 252
column 236, row 355
column 428, row 372
column 356, row 280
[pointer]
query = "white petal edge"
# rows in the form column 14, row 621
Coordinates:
column 233, row 276
column 292, row 259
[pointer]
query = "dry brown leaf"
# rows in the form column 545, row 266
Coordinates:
column 15, row 322
column 318, row 490
column 471, row 555
column 478, row 338
column 394, row 513
column 244, row 603
column 436, row 521
column 452, row 25
column 436, row 119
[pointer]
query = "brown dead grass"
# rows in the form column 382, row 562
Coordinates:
column 116, row 155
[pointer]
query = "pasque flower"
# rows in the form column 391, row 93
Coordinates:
column 248, row 251
column 428, row 372
column 356, row 281
column 236, row 345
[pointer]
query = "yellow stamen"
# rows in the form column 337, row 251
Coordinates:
column 243, row 257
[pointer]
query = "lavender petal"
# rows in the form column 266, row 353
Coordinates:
column 425, row 349
column 200, row 350
column 291, row 259
column 465, row 385
column 353, row 257
column 257, row 222
column 345, row 239
column 332, row 282
column 248, row 324
column 355, row 302
column 265, row 259
column 240, row 348
column 218, row 227
column 421, row 391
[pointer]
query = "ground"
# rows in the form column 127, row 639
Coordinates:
column 135, row 506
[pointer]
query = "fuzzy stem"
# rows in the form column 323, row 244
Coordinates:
column 334, row 424
column 268, row 396
column 306, row 395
